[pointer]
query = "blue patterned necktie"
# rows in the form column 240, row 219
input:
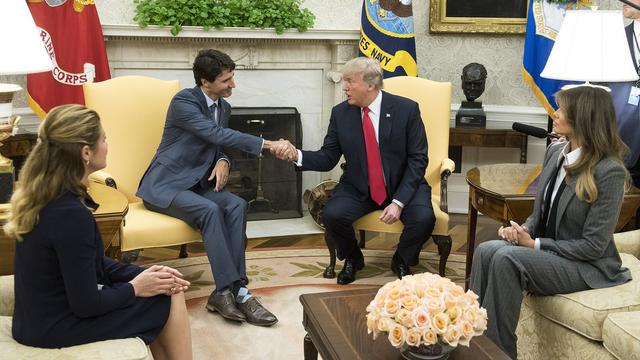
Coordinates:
column 214, row 113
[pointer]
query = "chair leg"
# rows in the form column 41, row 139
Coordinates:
column 130, row 256
column 183, row 251
column 361, row 240
column 444, row 249
column 329, row 271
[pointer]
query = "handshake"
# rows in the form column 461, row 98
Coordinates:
column 282, row 149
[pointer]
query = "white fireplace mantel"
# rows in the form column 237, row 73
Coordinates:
column 197, row 32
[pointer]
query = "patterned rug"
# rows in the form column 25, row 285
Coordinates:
column 278, row 278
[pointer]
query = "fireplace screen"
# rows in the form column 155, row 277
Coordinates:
column 271, row 187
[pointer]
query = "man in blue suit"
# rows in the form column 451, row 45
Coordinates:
column 187, row 176
column 383, row 140
column 626, row 96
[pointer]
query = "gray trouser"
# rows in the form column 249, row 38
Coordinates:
column 222, row 220
column 501, row 272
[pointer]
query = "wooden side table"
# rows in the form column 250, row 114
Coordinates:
column 481, row 137
column 109, row 216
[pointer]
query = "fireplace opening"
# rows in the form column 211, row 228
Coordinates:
column 271, row 187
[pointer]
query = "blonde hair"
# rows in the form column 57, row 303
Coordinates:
column 591, row 114
column 369, row 68
column 54, row 166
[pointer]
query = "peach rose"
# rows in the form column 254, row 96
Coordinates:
column 429, row 336
column 467, row 329
column 433, row 292
column 394, row 294
column 421, row 318
column 414, row 337
column 403, row 316
column 434, row 305
column 454, row 313
column 439, row 323
column 391, row 307
column 384, row 323
column 397, row 335
column 410, row 302
column 452, row 335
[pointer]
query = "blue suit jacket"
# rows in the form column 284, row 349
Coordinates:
column 628, row 115
column 402, row 142
column 191, row 143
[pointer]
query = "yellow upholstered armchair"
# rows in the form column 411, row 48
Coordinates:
column 434, row 99
column 132, row 110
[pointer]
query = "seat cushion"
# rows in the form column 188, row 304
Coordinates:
column 147, row 229
column 585, row 311
column 621, row 333
column 131, row 349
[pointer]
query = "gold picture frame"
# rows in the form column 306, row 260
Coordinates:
column 441, row 22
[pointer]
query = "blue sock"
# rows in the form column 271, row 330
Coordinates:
column 243, row 295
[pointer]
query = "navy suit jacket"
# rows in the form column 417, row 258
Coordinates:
column 628, row 115
column 402, row 142
column 191, row 143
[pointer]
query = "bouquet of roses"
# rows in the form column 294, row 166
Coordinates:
column 425, row 309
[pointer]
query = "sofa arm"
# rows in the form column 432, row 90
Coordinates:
column 104, row 178
column 628, row 242
column 7, row 297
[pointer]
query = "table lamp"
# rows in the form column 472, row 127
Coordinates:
column 591, row 46
column 22, row 53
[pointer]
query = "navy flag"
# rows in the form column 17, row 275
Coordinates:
column 387, row 36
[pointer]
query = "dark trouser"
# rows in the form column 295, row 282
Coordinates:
column 417, row 216
column 221, row 218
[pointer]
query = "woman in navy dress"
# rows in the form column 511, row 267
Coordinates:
column 67, row 292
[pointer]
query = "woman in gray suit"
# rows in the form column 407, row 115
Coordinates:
column 566, row 245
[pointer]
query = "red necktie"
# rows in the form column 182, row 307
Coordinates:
column 374, row 165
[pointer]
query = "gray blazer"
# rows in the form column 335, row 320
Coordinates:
column 191, row 143
column 585, row 231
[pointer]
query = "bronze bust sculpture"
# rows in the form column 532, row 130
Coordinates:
column 471, row 113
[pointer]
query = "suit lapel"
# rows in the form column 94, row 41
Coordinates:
column 566, row 197
column 225, row 113
column 386, row 116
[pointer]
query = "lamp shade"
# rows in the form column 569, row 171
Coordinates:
column 591, row 46
column 22, row 49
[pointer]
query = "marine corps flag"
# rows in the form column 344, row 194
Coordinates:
column 387, row 36
column 71, row 33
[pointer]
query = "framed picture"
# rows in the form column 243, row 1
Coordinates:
column 478, row 16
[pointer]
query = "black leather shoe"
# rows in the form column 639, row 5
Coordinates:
column 400, row 268
column 348, row 273
column 225, row 304
column 256, row 314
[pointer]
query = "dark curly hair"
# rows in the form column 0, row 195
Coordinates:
column 209, row 64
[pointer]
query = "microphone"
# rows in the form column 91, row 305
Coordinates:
column 532, row 131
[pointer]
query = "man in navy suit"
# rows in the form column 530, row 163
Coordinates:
column 626, row 96
column 187, row 175
column 383, row 140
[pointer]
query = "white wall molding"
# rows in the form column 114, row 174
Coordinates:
column 197, row 33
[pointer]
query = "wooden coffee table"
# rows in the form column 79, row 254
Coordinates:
column 337, row 329
column 109, row 217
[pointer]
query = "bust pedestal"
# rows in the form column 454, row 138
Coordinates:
column 471, row 114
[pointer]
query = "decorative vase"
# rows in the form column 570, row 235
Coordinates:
column 426, row 352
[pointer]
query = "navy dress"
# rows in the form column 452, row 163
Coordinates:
column 68, row 293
